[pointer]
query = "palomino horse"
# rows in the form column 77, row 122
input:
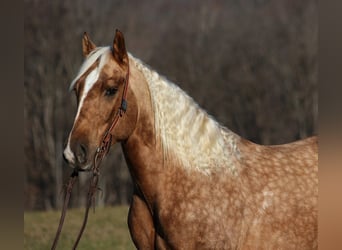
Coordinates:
column 198, row 185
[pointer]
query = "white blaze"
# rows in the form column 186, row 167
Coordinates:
column 89, row 83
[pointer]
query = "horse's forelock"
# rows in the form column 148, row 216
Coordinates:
column 90, row 60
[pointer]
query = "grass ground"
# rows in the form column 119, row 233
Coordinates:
column 106, row 229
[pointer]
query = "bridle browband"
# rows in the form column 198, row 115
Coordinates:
column 100, row 153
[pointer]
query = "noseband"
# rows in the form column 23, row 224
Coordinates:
column 100, row 153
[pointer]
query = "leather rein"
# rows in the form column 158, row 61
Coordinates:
column 100, row 153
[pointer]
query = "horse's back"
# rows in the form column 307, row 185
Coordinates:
column 299, row 157
column 296, row 155
column 308, row 146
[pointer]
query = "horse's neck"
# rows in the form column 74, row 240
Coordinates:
column 187, row 133
column 183, row 133
column 173, row 132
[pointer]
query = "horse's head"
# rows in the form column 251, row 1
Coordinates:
column 99, row 88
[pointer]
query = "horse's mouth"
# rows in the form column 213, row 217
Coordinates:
column 85, row 168
column 81, row 167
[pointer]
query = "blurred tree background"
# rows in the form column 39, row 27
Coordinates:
column 252, row 64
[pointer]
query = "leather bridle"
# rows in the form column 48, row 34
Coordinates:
column 100, row 153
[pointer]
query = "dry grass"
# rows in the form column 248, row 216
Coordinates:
column 106, row 229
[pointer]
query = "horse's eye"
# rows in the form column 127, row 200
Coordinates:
column 110, row 91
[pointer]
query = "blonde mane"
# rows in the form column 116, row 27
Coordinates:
column 188, row 134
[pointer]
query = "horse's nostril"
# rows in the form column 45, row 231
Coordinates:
column 81, row 153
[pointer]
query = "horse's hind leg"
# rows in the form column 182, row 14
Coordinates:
column 140, row 224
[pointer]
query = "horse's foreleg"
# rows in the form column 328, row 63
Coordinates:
column 140, row 224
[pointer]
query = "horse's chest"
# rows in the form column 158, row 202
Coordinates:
column 209, row 213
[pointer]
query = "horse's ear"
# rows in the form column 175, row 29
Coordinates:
column 87, row 45
column 119, row 48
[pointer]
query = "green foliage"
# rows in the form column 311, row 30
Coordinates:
column 106, row 229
